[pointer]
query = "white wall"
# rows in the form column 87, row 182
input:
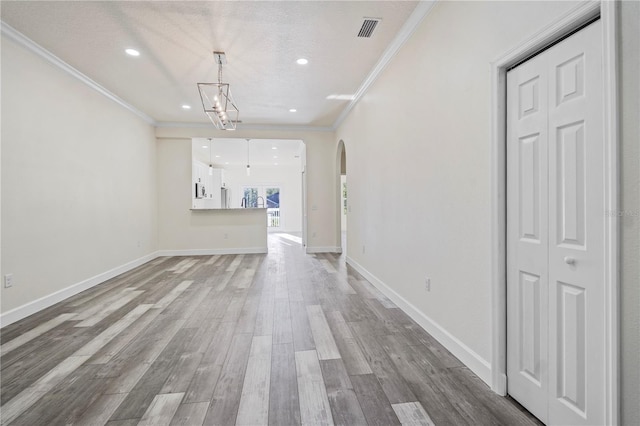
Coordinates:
column 287, row 178
column 419, row 185
column 78, row 181
column 176, row 228
column 183, row 231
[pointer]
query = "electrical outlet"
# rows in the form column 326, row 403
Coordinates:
column 8, row 280
column 427, row 284
column 138, row 243
column 313, row 235
column 226, row 236
column 363, row 249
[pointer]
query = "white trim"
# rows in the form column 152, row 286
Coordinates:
column 575, row 18
column 34, row 47
column 422, row 9
column 498, row 233
column 480, row 366
column 44, row 302
column 320, row 249
column 210, row 252
column 338, row 188
column 182, row 125
column 276, row 230
column 240, row 127
column 411, row 24
column 285, row 128
column 609, row 43
column 569, row 22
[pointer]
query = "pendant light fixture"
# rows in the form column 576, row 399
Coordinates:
column 217, row 101
column 248, row 164
column 210, row 161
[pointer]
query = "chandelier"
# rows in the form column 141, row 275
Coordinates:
column 217, row 101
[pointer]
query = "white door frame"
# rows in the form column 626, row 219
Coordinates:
column 582, row 14
column 341, row 146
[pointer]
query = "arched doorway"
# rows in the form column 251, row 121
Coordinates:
column 341, row 197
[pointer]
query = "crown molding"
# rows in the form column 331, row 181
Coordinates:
column 419, row 13
column 24, row 41
column 241, row 126
column 286, row 128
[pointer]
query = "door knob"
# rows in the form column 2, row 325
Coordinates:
column 569, row 260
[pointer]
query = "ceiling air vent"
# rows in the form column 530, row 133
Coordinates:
column 368, row 26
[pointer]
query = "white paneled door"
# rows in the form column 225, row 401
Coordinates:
column 555, row 232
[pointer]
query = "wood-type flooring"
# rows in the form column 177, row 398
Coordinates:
column 283, row 338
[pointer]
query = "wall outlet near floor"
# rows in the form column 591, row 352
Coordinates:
column 363, row 249
column 225, row 236
column 8, row 280
column 313, row 235
column 427, row 284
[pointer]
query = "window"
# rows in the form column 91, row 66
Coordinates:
column 264, row 197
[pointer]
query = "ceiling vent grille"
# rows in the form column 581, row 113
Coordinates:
column 368, row 26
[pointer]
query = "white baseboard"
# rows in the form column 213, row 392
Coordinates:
column 477, row 364
column 500, row 385
column 329, row 249
column 210, row 252
column 37, row 305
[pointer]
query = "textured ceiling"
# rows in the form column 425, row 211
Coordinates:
column 262, row 40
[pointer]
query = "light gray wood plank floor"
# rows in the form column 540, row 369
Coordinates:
column 278, row 339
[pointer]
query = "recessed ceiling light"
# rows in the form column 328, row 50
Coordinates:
column 275, row 156
column 132, row 52
column 217, row 156
column 205, row 146
column 292, row 110
column 302, row 61
column 226, row 162
column 185, row 106
column 274, row 147
column 275, row 164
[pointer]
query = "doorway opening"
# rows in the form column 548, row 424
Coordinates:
column 341, row 198
column 234, row 173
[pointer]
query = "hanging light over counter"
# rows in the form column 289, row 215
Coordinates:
column 217, row 101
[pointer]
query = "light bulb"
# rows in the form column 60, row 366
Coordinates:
column 210, row 169
column 248, row 170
